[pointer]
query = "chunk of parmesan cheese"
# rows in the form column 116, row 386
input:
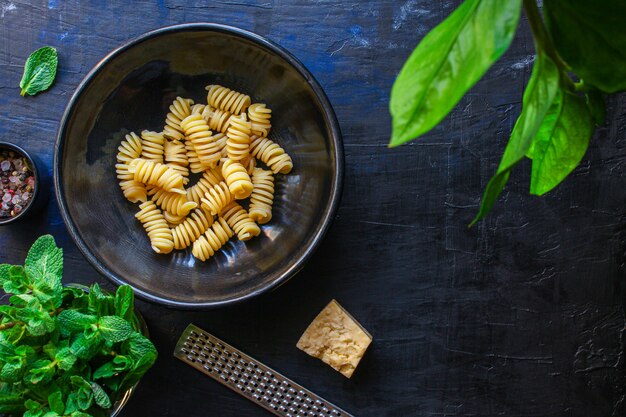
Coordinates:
column 335, row 337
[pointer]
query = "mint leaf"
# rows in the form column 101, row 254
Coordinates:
column 4, row 273
column 41, row 371
column 16, row 281
column 124, row 302
column 72, row 321
column 100, row 396
column 71, row 404
column 114, row 329
column 86, row 347
column 37, row 319
column 84, row 393
column 139, row 369
column 40, row 70
column 34, row 408
column 119, row 364
column 44, row 262
column 100, row 304
column 55, row 402
column 138, row 346
column 65, row 359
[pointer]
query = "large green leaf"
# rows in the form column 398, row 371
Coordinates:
column 447, row 62
column 589, row 35
column 44, row 262
column 538, row 96
column 560, row 143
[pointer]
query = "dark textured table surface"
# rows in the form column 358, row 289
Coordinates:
column 522, row 315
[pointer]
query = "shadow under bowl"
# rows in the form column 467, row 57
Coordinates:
column 131, row 90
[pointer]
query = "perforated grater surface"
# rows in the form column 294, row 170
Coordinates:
column 249, row 377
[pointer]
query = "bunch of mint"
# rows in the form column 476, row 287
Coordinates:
column 65, row 351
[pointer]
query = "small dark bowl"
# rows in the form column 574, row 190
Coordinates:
column 131, row 89
column 40, row 189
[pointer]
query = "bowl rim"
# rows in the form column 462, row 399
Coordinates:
column 330, row 120
column 15, row 148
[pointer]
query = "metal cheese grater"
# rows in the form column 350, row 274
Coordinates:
column 250, row 378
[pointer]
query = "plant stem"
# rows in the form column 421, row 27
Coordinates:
column 543, row 42
column 7, row 325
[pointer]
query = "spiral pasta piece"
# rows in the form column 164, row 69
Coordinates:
column 218, row 120
column 239, row 220
column 262, row 196
column 238, row 143
column 249, row 163
column 271, row 154
column 201, row 139
column 226, row 99
column 260, row 116
column 237, row 178
column 212, row 240
column 189, row 230
column 174, row 203
column 218, row 197
column 198, row 108
column 175, row 156
column 156, row 227
column 209, row 178
column 173, row 220
column 179, row 109
column 152, row 144
column 129, row 149
column 154, row 173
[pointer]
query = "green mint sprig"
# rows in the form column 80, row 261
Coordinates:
column 65, row 352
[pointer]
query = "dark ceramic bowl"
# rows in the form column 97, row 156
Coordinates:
column 131, row 89
column 40, row 189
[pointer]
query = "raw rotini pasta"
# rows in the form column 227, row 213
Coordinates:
column 262, row 196
column 175, row 156
column 201, row 140
column 129, row 149
column 174, row 203
column 209, row 178
column 153, row 221
column 212, row 240
column 271, row 154
column 260, row 117
column 239, row 220
column 191, row 228
column 179, row 109
column 152, row 144
column 226, row 99
column 173, row 220
column 218, row 197
column 218, row 120
column 191, row 177
column 238, row 143
column 237, row 178
column 154, row 173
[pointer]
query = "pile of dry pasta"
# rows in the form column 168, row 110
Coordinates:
column 222, row 141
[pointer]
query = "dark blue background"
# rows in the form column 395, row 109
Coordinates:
column 522, row 315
